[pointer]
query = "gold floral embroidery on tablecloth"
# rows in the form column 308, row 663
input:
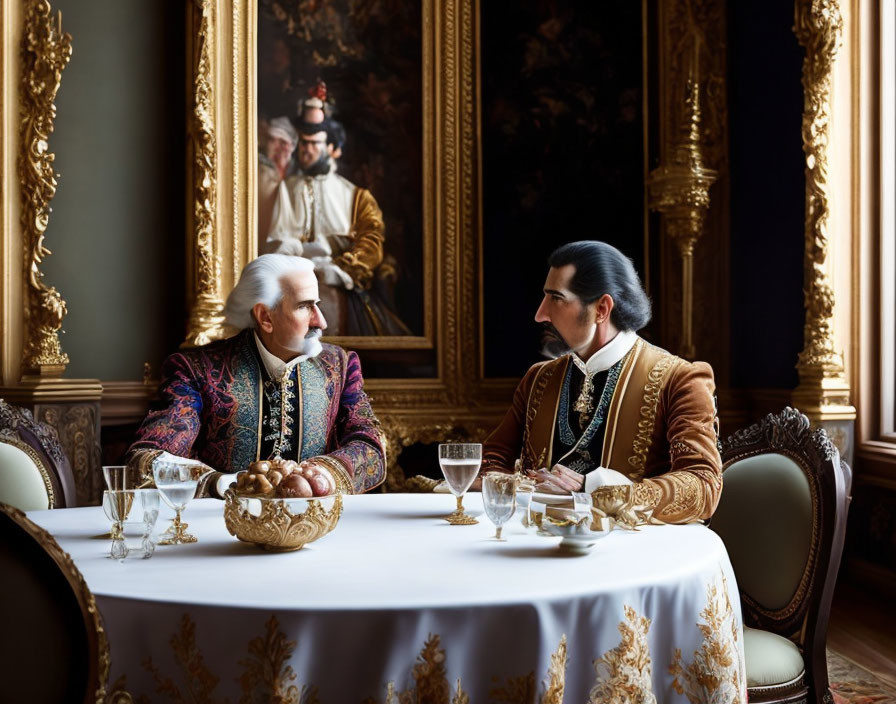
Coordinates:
column 521, row 690
column 430, row 680
column 623, row 674
column 266, row 675
column 515, row 690
column 715, row 673
column 201, row 682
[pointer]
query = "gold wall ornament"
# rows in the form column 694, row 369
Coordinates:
column 206, row 318
column 690, row 48
column 823, row 391
column 679, row 189
column 46, row 50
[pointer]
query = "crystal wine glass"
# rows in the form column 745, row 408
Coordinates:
column 460, row 465
column 499, row 499
column 123, row 477
column 133, row 513
column 177, row 485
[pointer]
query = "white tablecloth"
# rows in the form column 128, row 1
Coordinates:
column 397, row 605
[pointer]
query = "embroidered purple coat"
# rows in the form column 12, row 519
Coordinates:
column 211, row 410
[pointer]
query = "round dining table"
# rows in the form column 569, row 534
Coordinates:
column 397, row 605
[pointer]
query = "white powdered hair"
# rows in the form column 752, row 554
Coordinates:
column 260, row 283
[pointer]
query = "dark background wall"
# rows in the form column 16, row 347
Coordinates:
column 562, row 153
column 117, row 226
column 767, row 194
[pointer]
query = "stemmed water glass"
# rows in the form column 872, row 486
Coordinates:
column 460, row 465
column 499, row 499
column 177, row 485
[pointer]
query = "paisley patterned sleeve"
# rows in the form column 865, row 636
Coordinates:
column 359, row 462
column 173, row 424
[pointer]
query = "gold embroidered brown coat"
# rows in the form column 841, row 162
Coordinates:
column 661, row 432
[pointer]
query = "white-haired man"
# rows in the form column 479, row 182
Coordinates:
column 272, row 390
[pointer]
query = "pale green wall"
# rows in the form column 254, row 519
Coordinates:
column 117, row 226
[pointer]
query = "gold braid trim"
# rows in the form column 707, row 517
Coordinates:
column 630, row 505
column 533, row 404
column 420, row 484
column 655, row 381
column 142, row 460
column 684, row 497
column 340, row 475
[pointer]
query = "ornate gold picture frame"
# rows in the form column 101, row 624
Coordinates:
column 222, row 221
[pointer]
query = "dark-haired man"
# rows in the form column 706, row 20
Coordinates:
column 611, row 415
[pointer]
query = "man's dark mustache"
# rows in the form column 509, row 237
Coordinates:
column 552, row 343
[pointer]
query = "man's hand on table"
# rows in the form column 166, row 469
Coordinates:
column 557, row 480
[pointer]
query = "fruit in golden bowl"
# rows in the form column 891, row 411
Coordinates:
column 280, row 524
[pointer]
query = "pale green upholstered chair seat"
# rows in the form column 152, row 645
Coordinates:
column 782, row 516
column 34, row 472
column 772, row 660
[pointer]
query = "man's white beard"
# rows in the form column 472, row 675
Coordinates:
column 311, row 345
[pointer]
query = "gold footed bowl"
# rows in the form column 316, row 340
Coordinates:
column 280, row 524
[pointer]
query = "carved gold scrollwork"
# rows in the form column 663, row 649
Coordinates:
column 45, row 52
column 206, row 319
column 77, row 426
column 823, row 391
column 401, row 432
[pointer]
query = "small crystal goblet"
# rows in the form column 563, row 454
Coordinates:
column 499, row 499
column 460, row 465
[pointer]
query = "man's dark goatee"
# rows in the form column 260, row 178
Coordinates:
column 552, row 344
column 321, row 167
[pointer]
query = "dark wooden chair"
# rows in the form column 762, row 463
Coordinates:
column 782, row 516
column 54, row 648
column 34, row 471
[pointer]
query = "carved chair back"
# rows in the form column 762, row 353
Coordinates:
column 55, row 648
column 782, row 516
column 19, row 429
